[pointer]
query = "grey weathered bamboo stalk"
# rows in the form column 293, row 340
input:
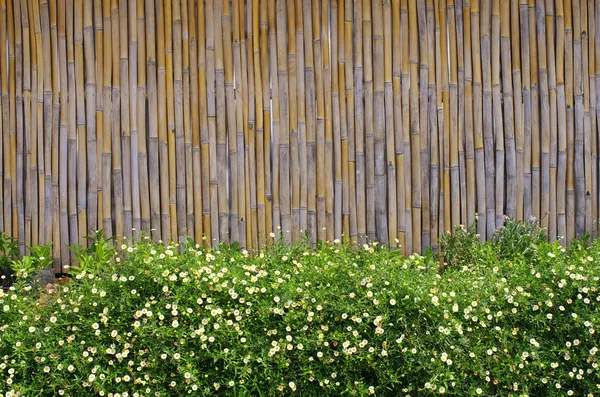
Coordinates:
column 379, row 123
column 284, row 126
column 518, row 105
column 468, row 117
column 231, row 127
column 509, row 116
column 544, row 115
column 535, row 116
column 488, row 132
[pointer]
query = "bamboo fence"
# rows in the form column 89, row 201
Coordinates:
column 239, row 120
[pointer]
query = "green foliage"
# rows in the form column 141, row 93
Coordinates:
column 460, row 248
column 40, row 257
column 518, row 238
column 9, row 250
column 97, row 257
column 169, row 320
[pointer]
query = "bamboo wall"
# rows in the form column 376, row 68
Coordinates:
column 374, row 119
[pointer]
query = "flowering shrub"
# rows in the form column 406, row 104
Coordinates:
column 169, row 320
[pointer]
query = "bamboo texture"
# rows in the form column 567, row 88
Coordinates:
column 387, row 120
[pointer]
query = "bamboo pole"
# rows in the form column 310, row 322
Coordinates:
column 310, row 123
column 587, row 150
column 460, row 65
column 258, row 95
column 164, row 164
column 509, row 115
column 276, row 110
column 10, row 128
column 406, row 130
column 284, row 127
column 478, row 122
column 170, row 130
column 197, row 113
column 390, row 141
column 302, row 124
column 350, row 104
column 82, row 140
column 250, row 133
column 6, row 224
column 518, row 106
column 424, row 61
column 379, row 123
column 38, row 221
column 106, row 108
column 592, row 7
column 46, row 232
column 142, row 141
column 561, row 177
column 488, row 132
column 20, row 126
column 191, row 189
column 208, row 20
column 320, row 124
column 569, row 92
column 206, row 154
column 579, row 122
column 553, row 119
column 99, row 60
column 28, row 39
column 90, row 117
column 397, row 54
column 178, row 116
column 53, row 147
column 117, row 161
column 153, row 127
column 234, row 188
column 455, row 180
column 535, row 116
column 369, row 144
column 264, row 40
column 328, row 135
column 69, row 124
column 67, row 157
column 526, row 75
column 337, row 197
column 359, row 113
column 544, row 114
column 415, row 132
column 499, row 133
column 133, row 110
column 435, row 126
column 468, row 131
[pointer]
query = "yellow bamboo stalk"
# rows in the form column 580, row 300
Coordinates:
column 90, row 117
column 369, row 145
column 415, row 132
column 142, row 141
column 390, row 143
column 260, row 130
column 553, row 118
column 561, row 177
column 397, row 51
column 205, row 147
column 197, row 113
